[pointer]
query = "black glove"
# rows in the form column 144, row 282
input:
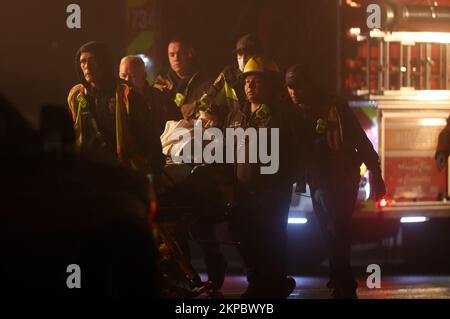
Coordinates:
column 378, row 188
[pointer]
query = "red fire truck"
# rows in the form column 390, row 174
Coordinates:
column 397, row 78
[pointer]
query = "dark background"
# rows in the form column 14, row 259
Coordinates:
column 37, row 49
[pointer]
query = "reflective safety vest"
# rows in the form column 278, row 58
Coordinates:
column 125, row 144
column 225, row 97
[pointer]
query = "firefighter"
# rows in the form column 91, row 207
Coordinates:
column 132, row 69
column 333, row 147
column 259, row 221
column 246, row 47
column 110, row 119
column 227, row 91
column 185, row 83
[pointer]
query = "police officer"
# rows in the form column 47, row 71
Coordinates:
column 333, row 147
column 260, row 218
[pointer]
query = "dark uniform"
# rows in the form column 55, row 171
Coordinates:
column 260, row 219
column 233, row 76
column 333, row 147
column 185, row 92
column 161, row 107
column 248, row 45
column 96, row 112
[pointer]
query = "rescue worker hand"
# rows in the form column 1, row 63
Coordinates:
column 378, row 188
column 441, row 161
column 189, row 110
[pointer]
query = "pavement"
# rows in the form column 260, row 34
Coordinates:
column 392, row 287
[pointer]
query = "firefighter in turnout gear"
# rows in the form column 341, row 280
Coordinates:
column 260, row 218
column 185, row 83
column 110, row 119
column 333, row 146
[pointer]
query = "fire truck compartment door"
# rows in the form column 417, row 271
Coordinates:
column 408, row 143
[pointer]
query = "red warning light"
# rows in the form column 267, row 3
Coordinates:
column 382, row 203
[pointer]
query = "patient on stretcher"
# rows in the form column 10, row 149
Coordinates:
column 196, row 196
column 178, row 137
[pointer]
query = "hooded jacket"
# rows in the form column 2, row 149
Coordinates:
column 113, row 119
column 333, row 144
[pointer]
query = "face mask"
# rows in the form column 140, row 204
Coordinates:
column 241, row 64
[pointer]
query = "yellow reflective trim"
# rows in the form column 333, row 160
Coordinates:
column 230, row 92
column 76, row 114
column 179, row 99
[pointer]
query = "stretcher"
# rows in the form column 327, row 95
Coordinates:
column 191, row 193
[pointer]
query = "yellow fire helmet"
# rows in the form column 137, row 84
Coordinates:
column 260, row 64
